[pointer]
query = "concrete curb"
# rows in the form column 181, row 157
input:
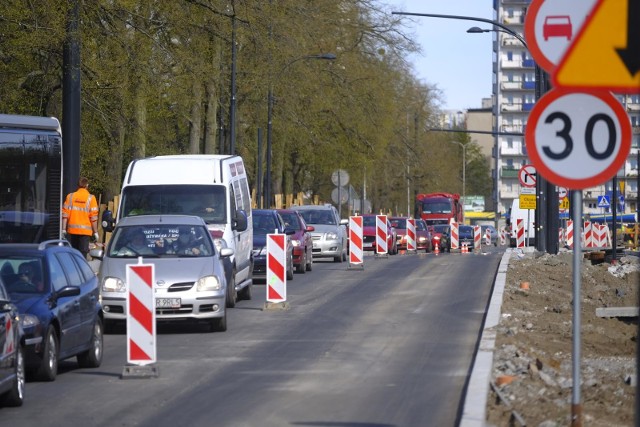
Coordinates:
column 474, row 413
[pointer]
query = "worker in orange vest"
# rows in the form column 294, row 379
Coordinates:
column 80, row 217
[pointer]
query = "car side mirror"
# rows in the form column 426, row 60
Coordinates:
column 108, row 223
column 240, row 221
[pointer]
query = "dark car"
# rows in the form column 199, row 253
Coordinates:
column 440, row 234
column 465, row 235
column 301, row 239
column 268, row 221
column 12, row 375
column 58, row 298
column 369, row 235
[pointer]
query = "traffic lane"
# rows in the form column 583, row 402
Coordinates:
column 333, row 345
column 380, row 350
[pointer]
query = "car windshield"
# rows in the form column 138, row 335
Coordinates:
column 368, row 221
column 23, row 274
column 264, row 224
column 318, row 216
column 160, row 240
column 290, row 221
column 441, row 228
column 420, row 225
column 400, row 223
column 432, row 207
column 466, row 229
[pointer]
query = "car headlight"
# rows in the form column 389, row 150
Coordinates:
column 113, row 284
column 332, row 236
column 422, row 239
column 436, row 238
column 208, row 283
column 29, row 321
column 295, row 242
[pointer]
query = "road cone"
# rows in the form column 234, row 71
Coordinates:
column 464, row 249
column 437, row 249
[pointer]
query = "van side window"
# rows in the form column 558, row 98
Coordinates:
column 246, row 197
column 232, row 190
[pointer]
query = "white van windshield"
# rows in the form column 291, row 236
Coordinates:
column 205, row 201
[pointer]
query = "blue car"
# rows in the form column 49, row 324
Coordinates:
column 57, row 295
column 269, row 221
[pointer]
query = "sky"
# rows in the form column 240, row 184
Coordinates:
column 457, row 62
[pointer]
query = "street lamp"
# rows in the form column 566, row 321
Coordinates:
column 475, row 30
column 267, row 185
column 464, row 172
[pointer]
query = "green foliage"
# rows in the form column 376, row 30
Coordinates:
column 156, row 80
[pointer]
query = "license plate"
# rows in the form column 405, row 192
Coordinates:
column 168, row 302
column 367, row 245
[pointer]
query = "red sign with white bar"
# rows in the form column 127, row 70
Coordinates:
column 276, row 268
column 141, row 314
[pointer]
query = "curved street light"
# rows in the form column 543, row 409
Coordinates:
column 267, row 185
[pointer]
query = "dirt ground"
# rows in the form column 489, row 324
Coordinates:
column 532, row 366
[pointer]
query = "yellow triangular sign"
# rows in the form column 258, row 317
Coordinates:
column 606, row 52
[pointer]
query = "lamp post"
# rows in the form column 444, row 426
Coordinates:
column 267, row 184
column 464, row 172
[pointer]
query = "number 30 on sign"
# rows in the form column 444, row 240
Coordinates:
column 578, row 139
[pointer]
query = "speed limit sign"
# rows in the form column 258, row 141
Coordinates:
column 578, row 139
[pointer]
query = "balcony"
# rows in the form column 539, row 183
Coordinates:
column 508, row 173
column 512, row 128
column 510, row 85
column 511, row 107
column 513, row 20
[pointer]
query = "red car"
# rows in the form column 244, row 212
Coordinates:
column 301, row 239
column 369, row 235
column 423, row 236
column 440, row 236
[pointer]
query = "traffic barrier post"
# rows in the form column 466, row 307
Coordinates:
column 411, row 235
column 477, row 239
column 276, row 269
column 455, row 236
column 520, row 243
column 356, row 257
column 381, row 235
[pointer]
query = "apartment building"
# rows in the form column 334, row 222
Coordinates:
column 514, row 95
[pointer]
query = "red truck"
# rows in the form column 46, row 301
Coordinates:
column 439, row 208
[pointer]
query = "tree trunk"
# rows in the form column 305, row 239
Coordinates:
column 139, row 130
column 211, row 122
column 196, row 118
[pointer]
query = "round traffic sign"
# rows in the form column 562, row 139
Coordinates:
column 527, row 176
column 340, row 177
column 578, row 139
column 550, row 27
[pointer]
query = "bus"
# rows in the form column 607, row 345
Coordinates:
column 31, row 178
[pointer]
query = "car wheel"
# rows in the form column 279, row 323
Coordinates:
column 232, row 294
column 48, row 369
column 302, row 267
column 15, row 396
column 219, row 324
column 245, row 293
column 92, row 358
column 309, row 265
column 290, row 269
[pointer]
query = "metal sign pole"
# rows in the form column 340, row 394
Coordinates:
column 576, row 407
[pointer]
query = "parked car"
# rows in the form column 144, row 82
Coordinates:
column 58, row 298
column 493, row 233
column 12, row 371
column 369, row 235
column 300, row 239
column 330, row 238
column 423, row 236
column 440, row 237
column 190, row 281
column 269, row 221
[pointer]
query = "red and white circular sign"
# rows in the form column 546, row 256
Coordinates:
column 578, row 139
column 527, row 176
column 550, row 27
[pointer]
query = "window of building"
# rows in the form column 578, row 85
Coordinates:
column 509, row 142
column 510, row 164
column 509, row 55
column 634, row 99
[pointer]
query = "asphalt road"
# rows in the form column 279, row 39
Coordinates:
column 389, row 345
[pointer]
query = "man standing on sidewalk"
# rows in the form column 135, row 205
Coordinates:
column 80, row 217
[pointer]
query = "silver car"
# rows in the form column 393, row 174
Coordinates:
column 330, row 235
column 189, row 283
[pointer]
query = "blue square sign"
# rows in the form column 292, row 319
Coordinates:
column 604, row 202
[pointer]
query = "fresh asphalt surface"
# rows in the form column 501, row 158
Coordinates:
column 389, row 345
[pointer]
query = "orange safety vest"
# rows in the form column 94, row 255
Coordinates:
column 81, row 210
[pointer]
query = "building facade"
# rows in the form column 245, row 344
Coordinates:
column 514, row 96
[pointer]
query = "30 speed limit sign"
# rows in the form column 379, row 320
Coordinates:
column 578, row 139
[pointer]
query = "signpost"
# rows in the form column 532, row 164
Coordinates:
column 581, row 139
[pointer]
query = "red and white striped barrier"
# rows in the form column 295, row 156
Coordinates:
column 411, row 235
column 487, row 237
column 381, row 235
column 477, row 238
column 276, row 268
column 355, row 241
column 9, row 334
column 587, row 237
column 599, row 235
column 519, row 233
column 141, row 314
column 560, row 237
column 455, row 237
column 503, row 236
column 609, row 237
column 570, row 234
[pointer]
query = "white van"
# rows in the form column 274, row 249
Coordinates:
column 214, row 187
column 528, row 218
